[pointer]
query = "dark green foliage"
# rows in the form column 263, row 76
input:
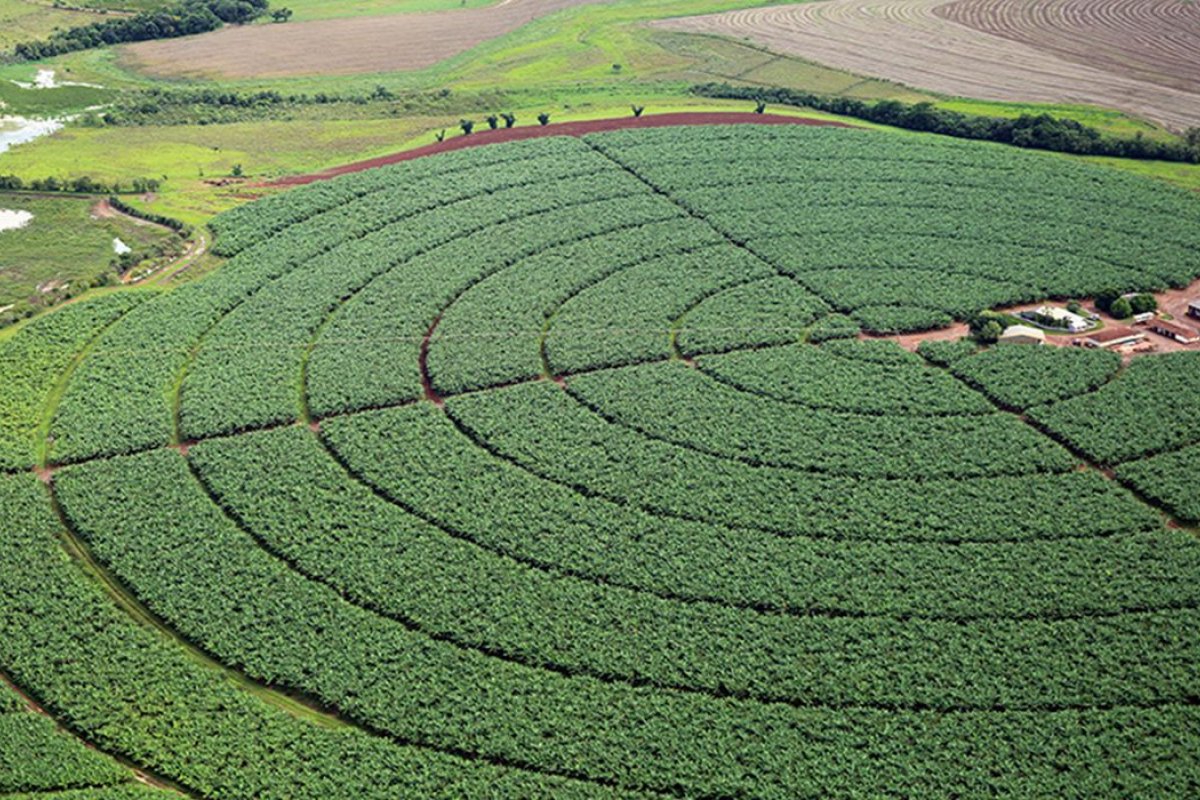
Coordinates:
column 946, row 353
column 730, row 550
column 1169, row 479
column 833, row 326
column 1020, row 377
column 36, row 756
column 33, row 358
column 1153, row 406
column 1121, row 308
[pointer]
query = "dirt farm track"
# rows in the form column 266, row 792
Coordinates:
column 1138, row 56
column 339, row 46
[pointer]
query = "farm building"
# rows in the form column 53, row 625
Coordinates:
column 1112, row 337
column 1022, row 334
column 1180, row 333
column 1145, row 316
column 1194, row 309
column 1073, row 322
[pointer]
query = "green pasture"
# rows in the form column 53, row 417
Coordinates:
column 63, row 245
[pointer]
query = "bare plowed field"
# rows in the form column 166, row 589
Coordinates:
column 339, row 46
column 1157, row 41
column 1138, row 56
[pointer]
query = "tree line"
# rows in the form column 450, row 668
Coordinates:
column 177, row 19
column 81, row 185
column 1034, row 131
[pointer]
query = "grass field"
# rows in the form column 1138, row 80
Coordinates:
column 508, row 473
column 63, row 244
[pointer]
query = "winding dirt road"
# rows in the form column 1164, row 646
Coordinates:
column 1138, row 56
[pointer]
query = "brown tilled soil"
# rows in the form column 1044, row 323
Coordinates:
column 1138, row 56
column 1157, row 41
column 556, row 129
column 338, row 46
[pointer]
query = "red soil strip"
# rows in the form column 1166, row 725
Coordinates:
column 485, row 137
column 423, row 365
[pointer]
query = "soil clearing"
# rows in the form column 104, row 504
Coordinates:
column 1141, row 57
column 480, row 138
column 348, row 46
column 1173, row 302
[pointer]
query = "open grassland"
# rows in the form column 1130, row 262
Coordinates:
column 345, row 46
column 555, row 469
column 913, row 42
column 63, row 246
column 25, row 20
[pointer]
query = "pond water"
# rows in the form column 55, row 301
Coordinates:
column 19, row 130
column 45, row 80
column 11, row 219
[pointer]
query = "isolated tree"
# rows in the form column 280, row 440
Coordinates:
column 1121, row 308
column 493, row 121
column 440, row 135
column 990, row 332
column 637, row 110
column 760, row 107
column 467, row 126
column 544, row 118
column 236, row 171
column 1074, row 307
column 1143, row 303
column 281, row 14
column 509, row 120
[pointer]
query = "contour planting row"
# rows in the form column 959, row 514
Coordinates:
column 197, row 569
column 231, row 386
column 1152, row 407
column 425, row 549
column 249, row 225
column 712, row 418
column 146, row 354
column 37, row 757
column 544, row 430
column 138, row 694
column 32, row 360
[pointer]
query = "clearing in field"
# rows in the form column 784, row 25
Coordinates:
column 1138, row 56
column 339, row 46
column 556, row 469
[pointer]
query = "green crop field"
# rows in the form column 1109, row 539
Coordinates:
column 560, row 468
